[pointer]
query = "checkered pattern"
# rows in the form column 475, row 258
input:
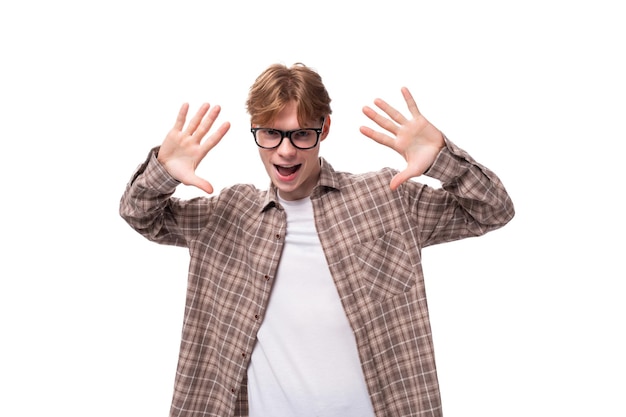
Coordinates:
column 372, row 237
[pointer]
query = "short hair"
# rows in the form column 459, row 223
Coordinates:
column 278, row 85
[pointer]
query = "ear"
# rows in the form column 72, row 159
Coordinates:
column 326, row 128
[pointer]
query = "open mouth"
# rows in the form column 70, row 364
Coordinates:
column 287, row 171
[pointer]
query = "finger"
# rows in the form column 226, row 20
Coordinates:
column 207, row 122
column 182, row 116
column 215, row 138
column 415, row 167
column 380, row 120
column 377, row 136
column 399, row 179
column 390, row 110
column 402, row 177
column 202, row 184
column 195, row 121
column 410, row 102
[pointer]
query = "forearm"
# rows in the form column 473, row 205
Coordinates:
column 146, row 204
column 474, row 198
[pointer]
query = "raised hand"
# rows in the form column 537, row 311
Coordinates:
column 184, row 148
column 416, row 139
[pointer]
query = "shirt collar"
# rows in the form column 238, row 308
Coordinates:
column 328, row 181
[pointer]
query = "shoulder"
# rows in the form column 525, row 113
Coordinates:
column 343, row 179
column 375, row 186
column 372, row 179
column 241, row 194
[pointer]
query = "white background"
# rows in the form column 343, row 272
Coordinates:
column 527, row 321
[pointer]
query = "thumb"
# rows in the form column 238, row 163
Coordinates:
column 417, row 165
column 399, row 179
column 202, row 184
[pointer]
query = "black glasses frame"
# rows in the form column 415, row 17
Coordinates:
column 287, row 134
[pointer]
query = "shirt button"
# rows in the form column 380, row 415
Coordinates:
column 267, row 277
column 256, row 316
column 277, row 236
column 243, row 354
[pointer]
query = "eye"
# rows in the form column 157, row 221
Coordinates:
column 301, row 134
column 271, row 132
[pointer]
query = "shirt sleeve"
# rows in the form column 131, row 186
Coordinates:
column 471, row 201
column 148, row 207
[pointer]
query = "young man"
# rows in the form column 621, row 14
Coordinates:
column 308, row 299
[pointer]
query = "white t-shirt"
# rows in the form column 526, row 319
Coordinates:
column 305, row 362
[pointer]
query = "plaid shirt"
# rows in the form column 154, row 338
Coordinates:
column 372, row 238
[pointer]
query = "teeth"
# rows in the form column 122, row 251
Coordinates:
column 287, row 169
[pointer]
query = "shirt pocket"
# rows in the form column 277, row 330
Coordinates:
column 385, row 266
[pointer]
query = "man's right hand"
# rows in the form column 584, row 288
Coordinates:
column 184, row 148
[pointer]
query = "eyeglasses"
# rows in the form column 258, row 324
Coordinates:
column 268, row 138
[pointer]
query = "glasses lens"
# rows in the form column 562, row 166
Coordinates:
column 304, row 138
column 271, row 138
column 267, row 138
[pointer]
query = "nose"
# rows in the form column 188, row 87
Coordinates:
column 286, row 148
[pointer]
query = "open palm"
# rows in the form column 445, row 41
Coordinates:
column 183, row 148
column 416, row 139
